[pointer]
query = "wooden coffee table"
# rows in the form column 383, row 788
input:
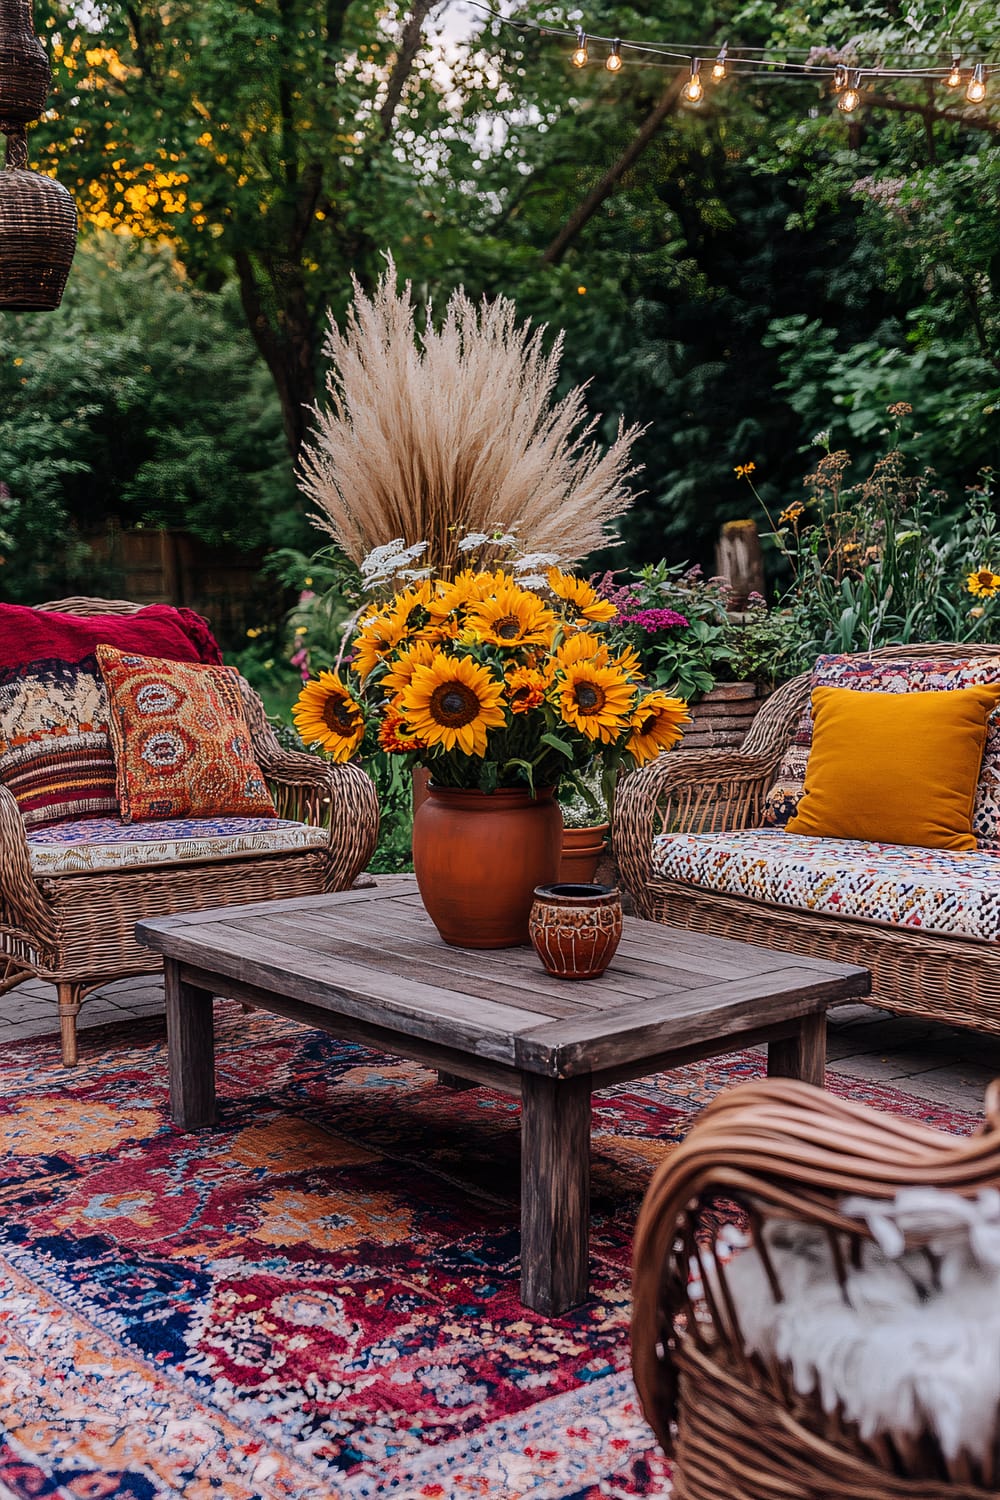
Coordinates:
column 369, row 966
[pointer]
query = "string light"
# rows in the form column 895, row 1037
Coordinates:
column 976, row 92
column 793, row 65
column 851, row 97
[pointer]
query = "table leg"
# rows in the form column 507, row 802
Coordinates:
column 555, row 1192
column 452, row 1081
column 802, row 1055
column 190, row 1050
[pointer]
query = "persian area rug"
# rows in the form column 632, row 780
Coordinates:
column 318, row 1298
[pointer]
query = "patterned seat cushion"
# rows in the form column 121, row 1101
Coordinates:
column 863, row 675
column 935, row 890
column 86, row 845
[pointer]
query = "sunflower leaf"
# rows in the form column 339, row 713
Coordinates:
column 526, row 767
column 557, row 744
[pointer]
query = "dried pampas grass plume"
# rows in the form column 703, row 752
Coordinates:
column 430, row 436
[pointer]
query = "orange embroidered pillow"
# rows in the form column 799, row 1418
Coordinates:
column 181, row 742
column 895, row 768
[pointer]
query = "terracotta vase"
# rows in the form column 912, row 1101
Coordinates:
column 576, row 928
column 581, row 850
column 478, row 857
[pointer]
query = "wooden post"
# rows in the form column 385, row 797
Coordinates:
column 739, row 559
column 555, row 1192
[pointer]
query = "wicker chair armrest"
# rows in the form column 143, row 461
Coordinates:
column 697, row 790
column 788, row 1150
column 22, row 905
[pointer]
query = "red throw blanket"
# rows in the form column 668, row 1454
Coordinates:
column 30, row 635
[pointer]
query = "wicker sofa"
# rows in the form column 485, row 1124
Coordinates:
column 950, row 976
column 75, row 926
column 772, row 1160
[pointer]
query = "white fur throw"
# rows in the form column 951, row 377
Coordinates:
column 913, row 1342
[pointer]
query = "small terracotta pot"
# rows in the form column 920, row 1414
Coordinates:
column 478, row 856
column 576, row 928
column 581, row 850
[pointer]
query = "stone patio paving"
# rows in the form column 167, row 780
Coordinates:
column 939, row 1063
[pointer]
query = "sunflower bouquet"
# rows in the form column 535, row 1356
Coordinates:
column 491, row 685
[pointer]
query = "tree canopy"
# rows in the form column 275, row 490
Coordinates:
column 739, row 276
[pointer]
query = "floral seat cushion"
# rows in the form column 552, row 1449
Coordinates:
column 934, row 890
column 85, row 845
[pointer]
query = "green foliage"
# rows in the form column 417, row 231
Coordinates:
column 394, row 784
column 676, row 622
column 140, row 400
column 871, row 565
column 766, row 269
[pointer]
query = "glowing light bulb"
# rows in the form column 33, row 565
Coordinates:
column 955, row 76
column 719, row 66
column 613, row 61
column 976, row 92
column 851, row 97
column 840, row 78
column 693, row 89
column 579, row 58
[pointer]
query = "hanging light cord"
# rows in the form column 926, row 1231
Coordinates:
column 753, row 62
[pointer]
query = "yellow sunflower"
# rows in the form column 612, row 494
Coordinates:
column 378, row 635
column 627, row 661
column 464, row 589
column 984, row 583
column 596, row 700
column 580, row 647
column 417, row 653
column 525, row 689
column 326, row 714
column 656, row 725
column 453, row 702
column 513, row 617
column 581, row 596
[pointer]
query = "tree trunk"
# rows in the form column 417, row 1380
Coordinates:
column 289, row 350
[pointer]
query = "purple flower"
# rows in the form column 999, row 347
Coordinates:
column 652, row 620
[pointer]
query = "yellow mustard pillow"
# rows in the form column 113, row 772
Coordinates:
column 896, row 768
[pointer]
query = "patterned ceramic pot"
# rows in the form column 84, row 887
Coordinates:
column 576, row 929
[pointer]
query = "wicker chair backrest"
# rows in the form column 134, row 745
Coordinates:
column 774, row 726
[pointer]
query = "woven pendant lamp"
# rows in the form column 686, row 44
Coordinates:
column 37, row 214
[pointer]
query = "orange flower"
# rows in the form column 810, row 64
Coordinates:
column 525, row 689
column 395, row 737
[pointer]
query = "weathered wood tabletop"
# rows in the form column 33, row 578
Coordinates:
column 368, row 965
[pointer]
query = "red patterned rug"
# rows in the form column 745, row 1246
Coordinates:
column 317, row 1299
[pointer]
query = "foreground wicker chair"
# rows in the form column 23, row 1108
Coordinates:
column 939, row 977
column 734, row 1427
column 77, row 930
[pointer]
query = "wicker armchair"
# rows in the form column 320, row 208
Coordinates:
column 735, row 1425
column 940, row 977
column 77, row 930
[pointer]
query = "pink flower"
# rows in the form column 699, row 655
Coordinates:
column 652, row 620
